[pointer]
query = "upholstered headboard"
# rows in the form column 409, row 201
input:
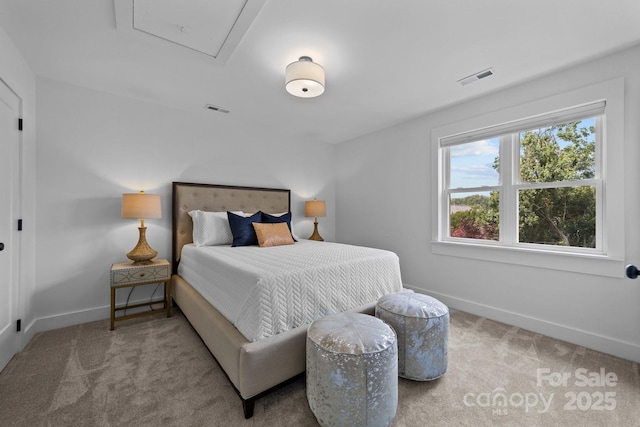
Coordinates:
column 218, row 198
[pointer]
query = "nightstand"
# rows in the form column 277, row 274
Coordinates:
column 127, row 275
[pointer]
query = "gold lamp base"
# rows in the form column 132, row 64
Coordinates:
column 142, row 254
column 316, row 235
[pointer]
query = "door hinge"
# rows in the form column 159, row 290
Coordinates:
column 19, row 325
column 19, row 124
column 20, row 225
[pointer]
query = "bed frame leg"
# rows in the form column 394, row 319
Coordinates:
column 247, row 407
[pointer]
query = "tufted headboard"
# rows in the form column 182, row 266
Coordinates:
column 218, row 198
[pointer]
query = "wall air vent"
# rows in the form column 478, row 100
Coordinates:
column 216, row 108
column 476, row 76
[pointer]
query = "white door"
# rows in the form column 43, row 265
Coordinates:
column 9, row 211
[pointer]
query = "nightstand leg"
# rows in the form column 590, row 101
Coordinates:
column 113, row 306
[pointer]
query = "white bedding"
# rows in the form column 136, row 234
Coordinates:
column 266, row 291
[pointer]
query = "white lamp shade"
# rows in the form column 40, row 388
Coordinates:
column 141, row 206
column 305, row 78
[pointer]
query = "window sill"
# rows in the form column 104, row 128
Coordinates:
column 600, row 265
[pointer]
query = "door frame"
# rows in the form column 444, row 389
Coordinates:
column 14, row 238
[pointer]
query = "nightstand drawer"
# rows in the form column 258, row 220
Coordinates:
column 127, row 274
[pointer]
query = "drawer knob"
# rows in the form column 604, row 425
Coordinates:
column 142, row 274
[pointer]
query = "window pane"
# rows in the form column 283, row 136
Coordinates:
column 474, row 215
column 563, row 152
column 558, row 216
column 475, row 164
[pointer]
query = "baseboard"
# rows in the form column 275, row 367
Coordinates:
column 618, row 348
column 48, row 323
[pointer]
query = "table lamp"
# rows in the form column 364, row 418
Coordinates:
column 141, row 206
column 315, row 208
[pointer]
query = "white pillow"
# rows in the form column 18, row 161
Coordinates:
column 211, row 228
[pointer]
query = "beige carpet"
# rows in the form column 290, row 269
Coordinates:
column 156, row 372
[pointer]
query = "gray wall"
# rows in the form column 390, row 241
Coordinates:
column 93, row 146
column 384, row 199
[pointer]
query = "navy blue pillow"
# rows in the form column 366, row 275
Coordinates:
column 274, row 219
column 242, row 228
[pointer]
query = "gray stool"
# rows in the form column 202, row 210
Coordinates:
column 422, row 326
column 352, row 370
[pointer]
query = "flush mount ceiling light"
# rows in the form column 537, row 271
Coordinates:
column 305, row 78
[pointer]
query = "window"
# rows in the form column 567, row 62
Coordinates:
column 532, row 182
column 538, row 184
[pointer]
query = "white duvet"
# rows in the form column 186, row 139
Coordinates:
column 266, row 291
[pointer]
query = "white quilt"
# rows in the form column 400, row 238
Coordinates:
column 266, row 291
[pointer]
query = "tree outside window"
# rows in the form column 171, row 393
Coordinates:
column 547, row 192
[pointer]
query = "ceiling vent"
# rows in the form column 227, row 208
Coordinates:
column 477, row 76
column 216, row 108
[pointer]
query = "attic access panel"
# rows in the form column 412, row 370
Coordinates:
column 214, row 28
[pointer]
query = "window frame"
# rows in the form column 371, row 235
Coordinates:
column 510, row 184
column 608, row 257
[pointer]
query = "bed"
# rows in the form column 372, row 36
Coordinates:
column 261, row 358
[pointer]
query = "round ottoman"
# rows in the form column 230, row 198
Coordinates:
column 352, row 370
column 422, row 327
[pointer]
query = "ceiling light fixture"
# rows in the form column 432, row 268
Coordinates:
column 304, row 78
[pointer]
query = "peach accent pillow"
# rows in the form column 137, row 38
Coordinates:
column 273, row 234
